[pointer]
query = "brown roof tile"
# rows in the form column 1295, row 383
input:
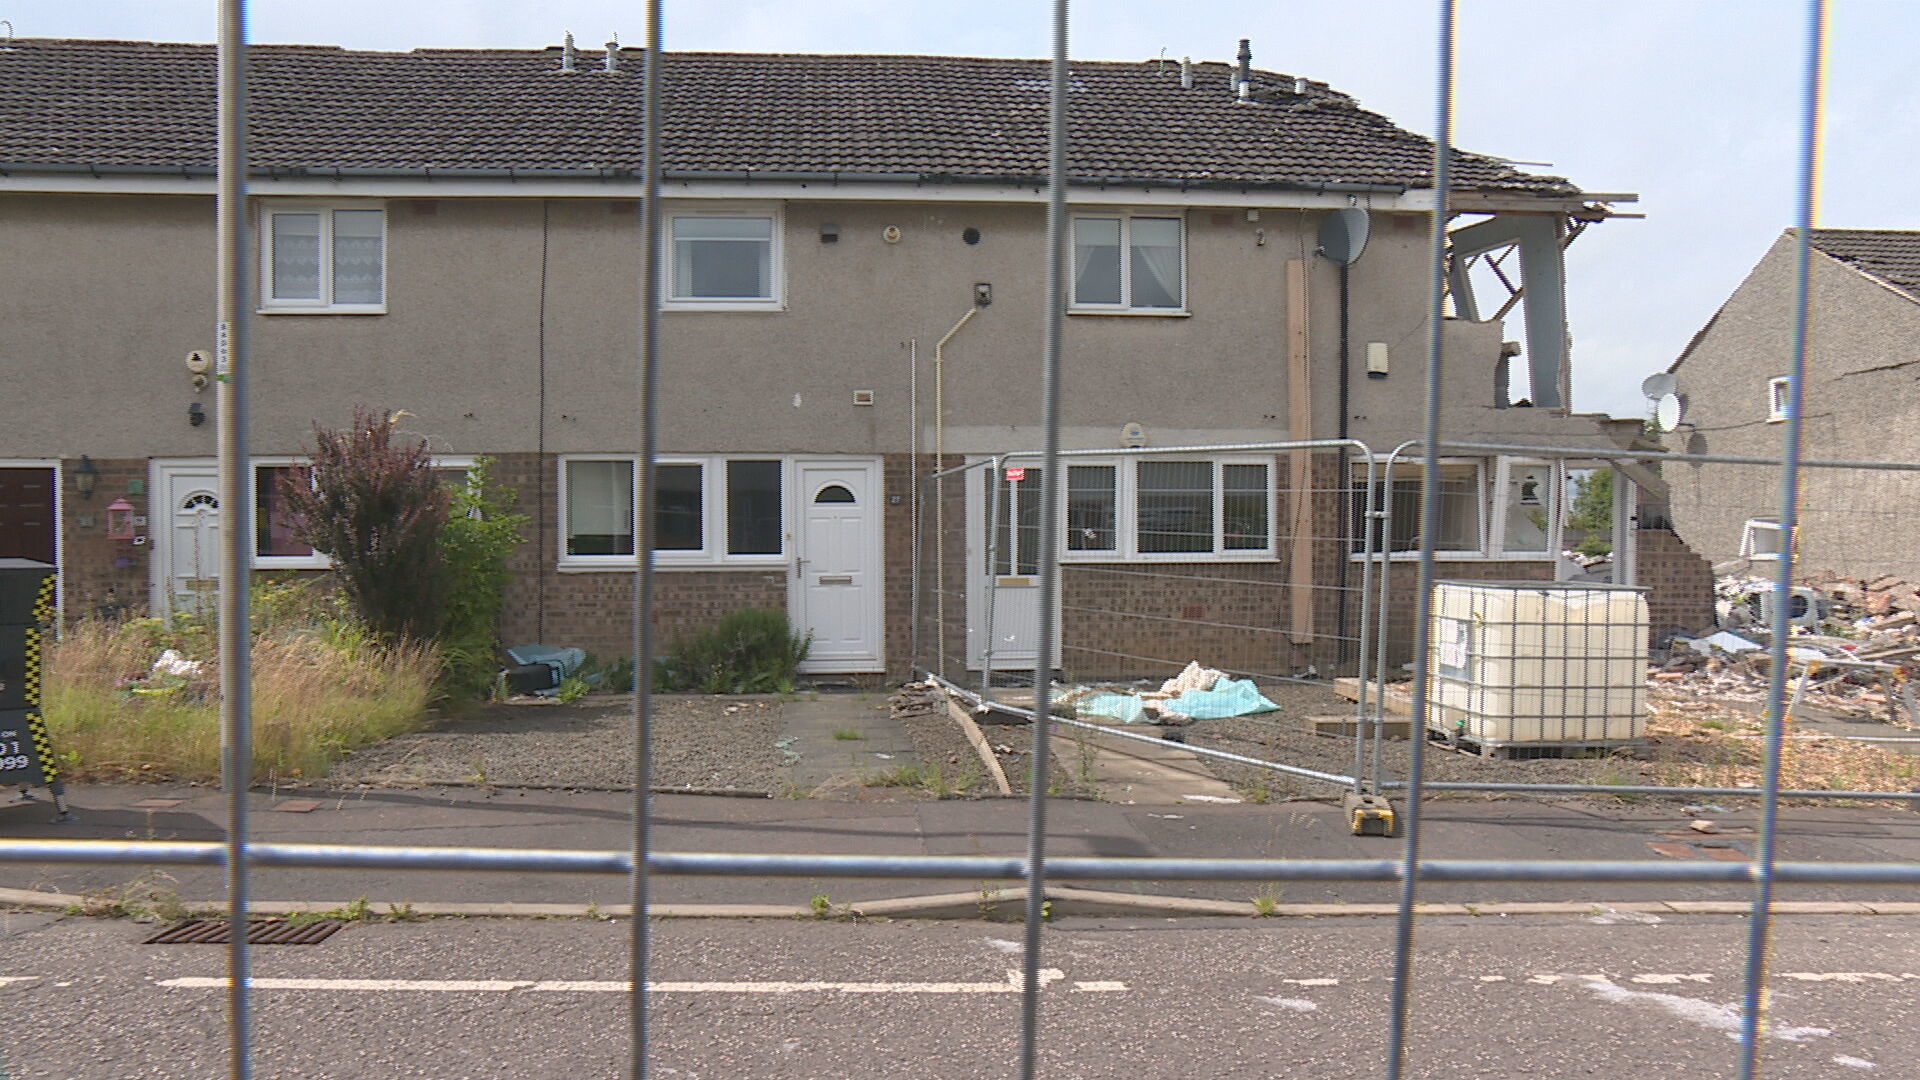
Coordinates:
column 1891, row 255
column 111, row 104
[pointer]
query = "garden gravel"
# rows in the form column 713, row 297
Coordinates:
column 700, row 743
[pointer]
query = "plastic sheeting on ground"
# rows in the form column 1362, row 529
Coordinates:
column 1219, row 697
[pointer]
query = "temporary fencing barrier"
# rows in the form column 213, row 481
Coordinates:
column 1168, row 496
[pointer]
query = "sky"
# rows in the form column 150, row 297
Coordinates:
column 1692, row 104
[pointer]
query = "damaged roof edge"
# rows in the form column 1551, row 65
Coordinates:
column 727, row 175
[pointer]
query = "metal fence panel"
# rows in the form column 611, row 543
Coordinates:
column 1173, row 503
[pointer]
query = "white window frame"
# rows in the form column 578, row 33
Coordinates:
column 1496, row 527
column 312, row 560
column 272, row 305
column 776, row 275
column 1778, row 398
column 1480, row 471
column 712, row 552
column 1126, row 306
column 1126, row 512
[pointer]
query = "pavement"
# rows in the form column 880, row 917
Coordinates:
column 500, row 818
column 1157, row 800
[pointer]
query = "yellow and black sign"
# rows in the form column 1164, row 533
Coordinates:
column 26, row 751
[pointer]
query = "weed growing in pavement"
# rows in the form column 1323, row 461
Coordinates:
column 931, row 780
column 1267, row 901
column 989, row 906
column 571, row 689
column 147, row 897
column 847, row 734
column 821, row 905
column 1255, row 788
column 356, row 910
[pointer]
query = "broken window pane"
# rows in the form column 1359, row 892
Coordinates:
column 1090, row 508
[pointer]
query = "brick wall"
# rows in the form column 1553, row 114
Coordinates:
column 102, row 576
column 1679, row 583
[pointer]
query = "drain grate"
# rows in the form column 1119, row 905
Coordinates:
column 259, row 932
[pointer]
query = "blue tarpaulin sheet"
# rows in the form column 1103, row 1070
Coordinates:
column 1229, row 697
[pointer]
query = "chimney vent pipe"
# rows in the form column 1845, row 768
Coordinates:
column 566, row 52
column 613, row 54
column 1246, row 62
column 1186, row 73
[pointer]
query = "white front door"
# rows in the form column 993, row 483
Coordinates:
column 837, row 588
column 1003, row 577
column 186, row 534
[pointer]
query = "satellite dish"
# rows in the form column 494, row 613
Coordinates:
column 1666, row 412
column 1659, row 385
column 1343, row 235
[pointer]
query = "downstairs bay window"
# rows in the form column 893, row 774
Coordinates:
column 706, row 510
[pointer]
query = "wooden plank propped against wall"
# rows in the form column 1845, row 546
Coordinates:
column 1300, row 464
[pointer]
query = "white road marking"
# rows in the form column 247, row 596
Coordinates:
column 1707, row 1014
column 1012, row 985
column 1301, row 1005
column 1003, row 945
column 7, row 980
column 1669, row 980
column 1312, row 982
column 1853, row 1062
column 1838, row 976
column 1493, row 978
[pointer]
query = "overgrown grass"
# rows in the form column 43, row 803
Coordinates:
column 318, row 693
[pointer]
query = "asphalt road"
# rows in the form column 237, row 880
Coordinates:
column 1595, row 996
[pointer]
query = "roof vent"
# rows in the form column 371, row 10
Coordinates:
column 1186, row 73
column 566, row 52
column 613, row 54
column 1300, row 86
column 1244, row 81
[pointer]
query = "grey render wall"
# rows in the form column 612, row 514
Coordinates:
column 104, row 295
column 1854, row 523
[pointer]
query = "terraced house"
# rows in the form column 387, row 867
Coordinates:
column 854, row 265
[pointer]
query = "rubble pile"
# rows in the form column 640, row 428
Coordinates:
column 1854, row 647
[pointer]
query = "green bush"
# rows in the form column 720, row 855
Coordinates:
column 476, row 540
column 753, row 651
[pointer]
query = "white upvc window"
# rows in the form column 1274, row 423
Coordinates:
column 708, row 510
column 1462, row 497
column 1151, row 509
column 1524, row 509
column 1129, row 263
column 323, row 258
column 274, row 545
column 723, row 259
column 1779, row 398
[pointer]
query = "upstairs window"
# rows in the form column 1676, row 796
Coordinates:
column 1129, row 263
column 324, row 259
column 723, row 261
column 1779, row 397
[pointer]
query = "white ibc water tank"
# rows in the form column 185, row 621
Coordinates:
column 1538, row 662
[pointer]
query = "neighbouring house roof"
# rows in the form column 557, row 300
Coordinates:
column 140, row 105
column 1891, row 255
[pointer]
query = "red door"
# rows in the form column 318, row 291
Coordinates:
column 26, row 514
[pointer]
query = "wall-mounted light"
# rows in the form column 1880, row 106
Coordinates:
column 119, row 520
column 829, row 233
column 86, row 477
